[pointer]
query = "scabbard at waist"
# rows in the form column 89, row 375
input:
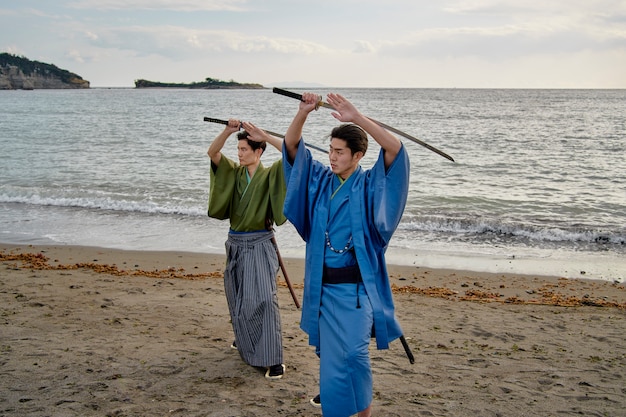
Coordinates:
column 345, row 275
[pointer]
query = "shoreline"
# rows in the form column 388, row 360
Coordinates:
column 194, row 236
column 94, row 331
column 60, row 226
column 453, row 284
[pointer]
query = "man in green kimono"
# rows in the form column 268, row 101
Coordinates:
column 251, row 197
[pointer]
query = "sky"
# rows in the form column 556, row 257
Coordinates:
column 326, row 43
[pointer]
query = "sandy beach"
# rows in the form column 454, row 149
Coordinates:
column 101, row 332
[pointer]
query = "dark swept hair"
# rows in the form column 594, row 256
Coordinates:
column 355, row 137
column 243, row 135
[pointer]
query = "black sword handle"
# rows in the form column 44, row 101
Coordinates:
column 287, row 93
column 212, row 120
column 219, row 121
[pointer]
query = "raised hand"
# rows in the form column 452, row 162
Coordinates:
column 254, row 133
column 344, row 109
column 310, row 102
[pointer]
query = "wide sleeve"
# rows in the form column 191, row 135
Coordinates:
column 221, row 188
column 277, row 190
column 378, row 217
column 296, row 207
column 389, row 189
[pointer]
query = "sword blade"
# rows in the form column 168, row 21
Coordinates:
column 412, row 138
column 383, row 125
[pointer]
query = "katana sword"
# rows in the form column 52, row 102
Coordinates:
column 268, row 226
column 407, row 349
column 282, row 268
column 383, row 125
column 269, row 132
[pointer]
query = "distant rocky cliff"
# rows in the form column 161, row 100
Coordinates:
column 21, row 73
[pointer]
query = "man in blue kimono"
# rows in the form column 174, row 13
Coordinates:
column 347, row 216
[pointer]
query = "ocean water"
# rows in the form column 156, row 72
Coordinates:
column 538, row 186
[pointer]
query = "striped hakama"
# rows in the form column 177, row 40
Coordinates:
column 250, row 286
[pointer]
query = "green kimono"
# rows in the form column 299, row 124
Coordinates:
column 248, row 206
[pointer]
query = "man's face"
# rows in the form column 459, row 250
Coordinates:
column 247, row 156
column 342, row 161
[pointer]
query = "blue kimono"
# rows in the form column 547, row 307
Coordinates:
column 370, row 206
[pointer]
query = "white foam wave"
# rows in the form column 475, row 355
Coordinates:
column 107, row 203
column 496, row 228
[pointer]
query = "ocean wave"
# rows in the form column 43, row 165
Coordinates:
column 464, row 228
column 107, row 203
column 497, row 229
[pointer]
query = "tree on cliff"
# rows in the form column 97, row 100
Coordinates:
column 36, row 69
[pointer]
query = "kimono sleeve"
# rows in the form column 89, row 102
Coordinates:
column 277, row 189
column 296, row 207
column 221, row 189
column 389, row 189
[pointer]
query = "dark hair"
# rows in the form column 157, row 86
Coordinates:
column 355, row 137
column 243, row 135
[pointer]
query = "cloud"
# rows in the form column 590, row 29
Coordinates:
column 532, row 34
column 12, row 49
column 363, row 47
column 75, row 56
column 176, row 42
column 390, row 42
column 598, row 20
column 519, row 9
column 178, row 5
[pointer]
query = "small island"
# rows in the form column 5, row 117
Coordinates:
column 209, row 83
column 20, row 73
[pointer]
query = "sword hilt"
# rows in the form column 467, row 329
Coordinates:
column 219, row 121
column 212, row 120
column 287, row 93
column 297, row 96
